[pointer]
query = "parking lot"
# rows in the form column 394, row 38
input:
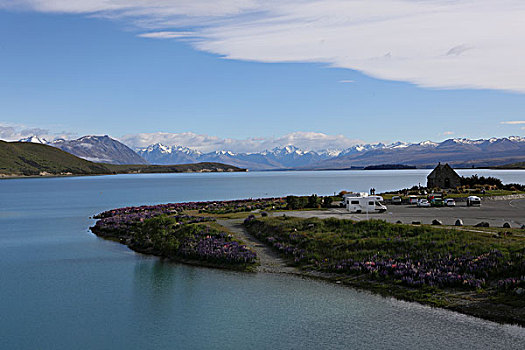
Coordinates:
column 495, row 212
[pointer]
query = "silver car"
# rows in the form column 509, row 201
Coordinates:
column 450, row 202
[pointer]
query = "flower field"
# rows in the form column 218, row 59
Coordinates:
column 413, row 256
column 165, row 231
column 212, row 207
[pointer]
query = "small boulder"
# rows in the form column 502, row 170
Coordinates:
column 416, row 222
column 506, row 225
column 264, row 214
column 459, row 222
column 436, row 222
column 482, row 224
column 398, row 222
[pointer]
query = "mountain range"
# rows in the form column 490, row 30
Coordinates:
column 277, row 158
column 458, row 152
column 98, row 149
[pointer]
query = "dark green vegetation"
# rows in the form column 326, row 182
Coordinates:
column 310, row 202
column 32, row 159
column 478, row 273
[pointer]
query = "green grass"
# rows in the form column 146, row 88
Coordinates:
column 342, row 239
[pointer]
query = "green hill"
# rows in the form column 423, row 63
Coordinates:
column 25, row 158
column 33, row 159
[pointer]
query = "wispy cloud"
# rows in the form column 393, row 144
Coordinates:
column 166, row 35
column 206, row 143
column 447, row 133
column 438, row 43
column 347, row 81
column 514, row 122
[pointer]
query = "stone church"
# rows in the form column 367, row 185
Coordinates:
column 443, row 176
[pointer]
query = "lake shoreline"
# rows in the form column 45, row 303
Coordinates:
column 464, row 303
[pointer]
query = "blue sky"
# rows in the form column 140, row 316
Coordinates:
column 73, row 73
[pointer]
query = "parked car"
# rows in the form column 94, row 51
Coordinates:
column 473, row 200
column 450, row 202
column 423, row 203
column 396, row 200
column 412, row 199
column 436, row 202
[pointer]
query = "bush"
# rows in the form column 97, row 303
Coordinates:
column 475, row 180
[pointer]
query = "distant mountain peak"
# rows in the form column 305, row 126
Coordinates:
column 101, row 149
column 34, row 139
column 428, row 143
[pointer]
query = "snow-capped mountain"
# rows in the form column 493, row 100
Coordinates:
column 34, row 139
column 162, row 154
column 99, row 149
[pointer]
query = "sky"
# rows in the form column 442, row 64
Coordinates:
column 249, row 74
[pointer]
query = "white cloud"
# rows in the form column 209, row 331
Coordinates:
column 514, row 122
column 447, row 133
column 433, row 43
column 346, row 81
column 10, row 132
column 205, row 143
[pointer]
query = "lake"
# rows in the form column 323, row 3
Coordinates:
column 61, row 287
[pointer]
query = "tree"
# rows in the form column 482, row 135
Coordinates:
column 313, row 201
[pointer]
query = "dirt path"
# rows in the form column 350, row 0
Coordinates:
column 269, row 261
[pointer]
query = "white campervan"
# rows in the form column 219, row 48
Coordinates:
column 364, row 203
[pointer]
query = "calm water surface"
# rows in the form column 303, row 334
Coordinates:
column 63, row 288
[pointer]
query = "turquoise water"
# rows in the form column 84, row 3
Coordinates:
column 63, row 288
